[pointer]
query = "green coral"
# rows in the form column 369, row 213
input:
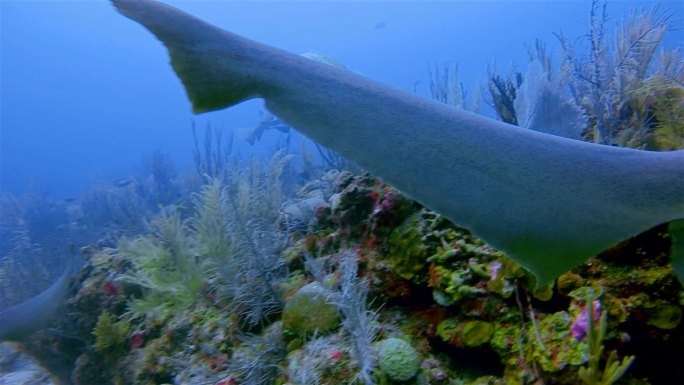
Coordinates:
column 447, row 330
column 546, row 343
column 309, row 311
column 165, row 267
column 208, row 225
column 613, row 369
column 676, row 231
column 663, row 97
column 569, row 282
column 407, row 249
column 507, row 275
column 665, row 315
column 552, row 345
column 468, row 333
column 110, row 335
column 398, row 359
column 476, row 333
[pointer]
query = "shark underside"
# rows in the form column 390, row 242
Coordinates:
column 548, row 202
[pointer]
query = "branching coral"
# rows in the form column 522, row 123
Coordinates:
column 504, row 91
column 601, row 83
column 614, row 368
column 661, row 100
column 208, row 224
column 255, row 361
column 212, row 158
column 165, row 266
column 446, row 88
column 110, row 335
column 359, row 322
column 251, row 274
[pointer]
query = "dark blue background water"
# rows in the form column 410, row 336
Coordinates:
column 86, row 93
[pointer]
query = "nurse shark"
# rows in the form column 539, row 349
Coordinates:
column 548, row 202
column 20, row 321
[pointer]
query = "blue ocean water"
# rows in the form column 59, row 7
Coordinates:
column 86, row 95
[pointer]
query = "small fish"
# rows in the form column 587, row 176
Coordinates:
column 123, row 182
column 548, row 202
column 380, row 25
column 268, row 122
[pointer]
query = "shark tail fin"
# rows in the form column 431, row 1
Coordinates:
column 194, row 48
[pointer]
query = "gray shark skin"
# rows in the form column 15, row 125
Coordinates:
column 18, row 322
column 548, row 202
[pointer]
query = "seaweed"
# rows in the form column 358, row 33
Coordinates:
column 111, row 336
column 208, row 225
column 164, row 266
column 504, row 91
column 212, row 159
column 602, row 82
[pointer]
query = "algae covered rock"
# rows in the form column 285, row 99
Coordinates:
column 665, row 316
column 465, row 334
column 398, row 359
column 476, row 333
column 408, row 251
column 309, row 311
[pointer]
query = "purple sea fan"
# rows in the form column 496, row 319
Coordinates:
column 580, row 325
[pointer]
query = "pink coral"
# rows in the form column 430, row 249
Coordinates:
column 581, row 324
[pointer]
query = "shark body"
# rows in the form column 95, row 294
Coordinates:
column 548, row 202
column 18, row 322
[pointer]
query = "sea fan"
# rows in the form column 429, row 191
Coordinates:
column 542, row 104
column 256, row 360
column 359, row 322
column 445, row 87
column 250, row 275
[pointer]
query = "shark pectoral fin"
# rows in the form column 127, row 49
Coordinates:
column 195, row 48
column 204, row 94
column 676, row 231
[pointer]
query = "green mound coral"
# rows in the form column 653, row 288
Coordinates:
column 665, row 316
column 398, row 359
column 309, row 311
column 465, row 334
column 476, row 333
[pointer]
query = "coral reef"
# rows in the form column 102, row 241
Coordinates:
column 398, row 359
column 165, row 306
column 308, row 311
column 231, row 276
